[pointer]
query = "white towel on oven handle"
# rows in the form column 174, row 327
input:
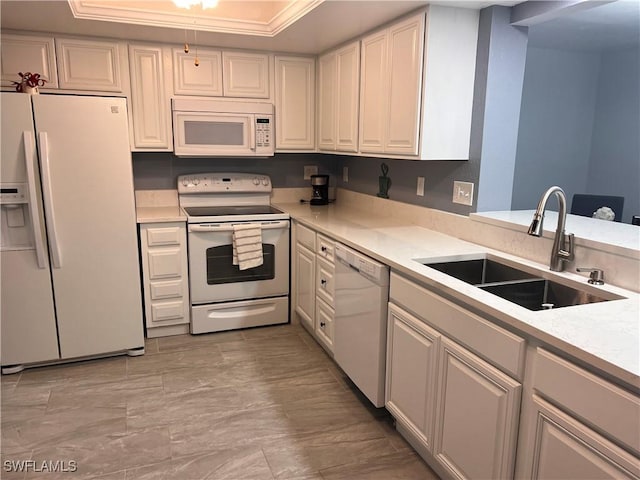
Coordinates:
column 247, row 245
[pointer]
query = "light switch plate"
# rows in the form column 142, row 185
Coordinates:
column 463, row 193
column 420, row 187
column 310, row 170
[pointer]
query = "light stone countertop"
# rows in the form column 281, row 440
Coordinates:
column 615, row 237
column 604, row 335
column 160, row 214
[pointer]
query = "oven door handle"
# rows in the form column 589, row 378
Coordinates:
column 228, row 227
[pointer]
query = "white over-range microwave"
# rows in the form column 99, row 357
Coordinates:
column 215, row 128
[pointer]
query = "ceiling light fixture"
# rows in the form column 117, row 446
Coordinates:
column 191, row 3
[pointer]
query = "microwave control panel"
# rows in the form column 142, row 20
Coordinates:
column 264, row 132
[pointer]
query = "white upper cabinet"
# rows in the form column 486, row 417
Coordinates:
column 149, row 67
column 295, row 103
column 245, row 74
column 27, row 53
column 338, row 97
column 91, row 64
column 202, row 79
column 416, row 90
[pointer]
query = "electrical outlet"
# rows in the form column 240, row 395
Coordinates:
column 345, row 174
column 420, row 187
column 310, row 170
column 463, row 193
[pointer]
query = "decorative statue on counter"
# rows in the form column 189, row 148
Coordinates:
column 384, row 181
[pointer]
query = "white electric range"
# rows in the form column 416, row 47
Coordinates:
column 223, row 297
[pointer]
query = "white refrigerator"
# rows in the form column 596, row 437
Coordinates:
column 70, row 279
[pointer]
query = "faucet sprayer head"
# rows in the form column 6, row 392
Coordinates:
column 535, row 228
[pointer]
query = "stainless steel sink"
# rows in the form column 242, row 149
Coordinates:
column 478, row 271
column 518, row 286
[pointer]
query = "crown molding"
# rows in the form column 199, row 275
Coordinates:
column 137, row 14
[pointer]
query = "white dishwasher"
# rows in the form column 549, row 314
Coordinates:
column 360, row 326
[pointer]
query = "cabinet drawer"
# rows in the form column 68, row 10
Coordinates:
column 497, row 345
column 163, row 312
column 164, row 236
column 162, row 290
column 165, row 263
column 325, row 281
column 325, row 248
column 305, row 236
column 588, row 396
column 324, row 323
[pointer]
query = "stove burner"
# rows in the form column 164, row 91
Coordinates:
column 231, row 210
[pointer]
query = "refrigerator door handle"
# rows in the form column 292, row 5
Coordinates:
column 29, row 153
column 56, row 256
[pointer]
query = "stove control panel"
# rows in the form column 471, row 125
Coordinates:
column 224, row 182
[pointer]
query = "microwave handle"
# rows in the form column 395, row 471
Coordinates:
column 252, row 134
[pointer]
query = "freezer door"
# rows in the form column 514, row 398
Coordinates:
column 27, row 317
column 90, row 216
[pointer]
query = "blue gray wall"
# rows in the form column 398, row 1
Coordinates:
column 160, row 171
column 614, row 164
column 579, row 126
column 558, row 109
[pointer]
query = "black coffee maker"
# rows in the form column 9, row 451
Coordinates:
column 320, row 185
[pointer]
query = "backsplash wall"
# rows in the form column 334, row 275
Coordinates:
column 160, row 171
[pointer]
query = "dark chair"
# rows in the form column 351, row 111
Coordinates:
column 585, row 205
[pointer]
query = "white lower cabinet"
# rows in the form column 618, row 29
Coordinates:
column 412, row 356
column 166, row 283
column 305, row 262
column 313, row 283
column 477, row 416
column 459, row 408
column 567, row 449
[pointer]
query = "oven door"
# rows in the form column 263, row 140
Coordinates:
column 214, row 278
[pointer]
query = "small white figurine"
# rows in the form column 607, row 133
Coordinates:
column 604, row 213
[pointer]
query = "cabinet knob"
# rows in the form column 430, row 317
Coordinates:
column 324, row 249
column 322, row 324
column 323, row 281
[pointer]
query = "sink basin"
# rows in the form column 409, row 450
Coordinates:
column 482, row 270
column 518, row 286
column 541, row 294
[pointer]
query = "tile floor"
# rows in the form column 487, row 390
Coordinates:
column 263, row 403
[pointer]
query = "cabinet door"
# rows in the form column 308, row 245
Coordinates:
column 373, row 92
column 202, row 79
column 412, row 353
column 327, row 102
column 347, row 97
column 149, row 68
column 324, row 323
column 26, row 53
column 404, row 68
column 305, row 284
column 476, row 416
column 295, row 103
column 565, row 448
column 90, row 64
column 245, row 74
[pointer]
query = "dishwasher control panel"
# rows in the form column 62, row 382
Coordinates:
column 365, row 265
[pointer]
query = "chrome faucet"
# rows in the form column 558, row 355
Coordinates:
column 560, row 253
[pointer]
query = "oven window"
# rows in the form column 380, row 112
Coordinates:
column 220, row 267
